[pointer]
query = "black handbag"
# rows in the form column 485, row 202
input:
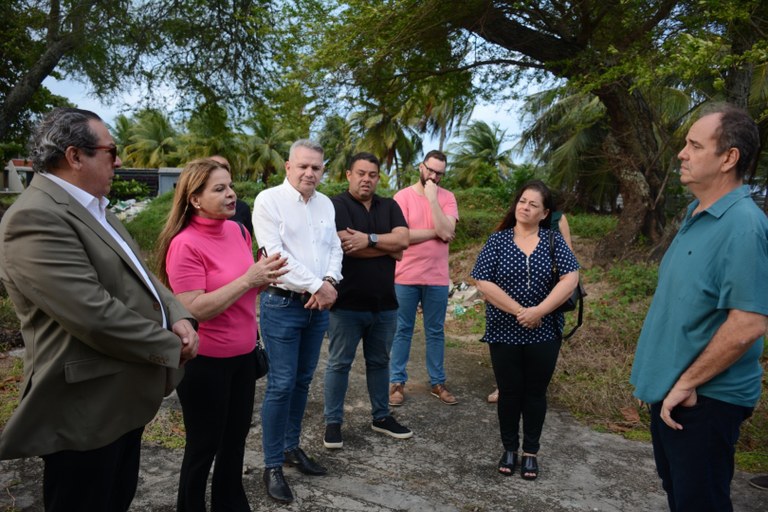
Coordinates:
column 576, row 300
column 262, row 361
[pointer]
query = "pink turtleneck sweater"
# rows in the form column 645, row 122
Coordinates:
column 206, row 255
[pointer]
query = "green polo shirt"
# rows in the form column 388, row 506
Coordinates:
column 717, row 262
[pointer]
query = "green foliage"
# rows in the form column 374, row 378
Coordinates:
column 123, row 189
column 6, row 201
column 8, row 318
column 591, row 225
column 480, row 210
column 248, row 190
column 214, row 51
column 479, row 198
column 146, row 226
column 633, row 280
column 10, row 377
column 334, row 188
column 477, row 159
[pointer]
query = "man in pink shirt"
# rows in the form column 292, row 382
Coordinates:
column 422, row 276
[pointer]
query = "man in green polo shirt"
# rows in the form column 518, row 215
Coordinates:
column 697, row 360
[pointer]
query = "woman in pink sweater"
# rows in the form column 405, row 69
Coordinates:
column 207, row 261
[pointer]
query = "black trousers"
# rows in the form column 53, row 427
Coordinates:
column 522, row 374
column 216, row 398
column 696, row 464
column 100, row 480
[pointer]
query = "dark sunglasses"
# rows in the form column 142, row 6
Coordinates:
column 261, row 253
column 112, row 150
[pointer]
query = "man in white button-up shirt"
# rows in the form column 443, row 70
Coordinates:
column 299, row 223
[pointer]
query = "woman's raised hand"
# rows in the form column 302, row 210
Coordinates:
column 266, row 271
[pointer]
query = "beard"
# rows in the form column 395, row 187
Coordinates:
column 424, row 180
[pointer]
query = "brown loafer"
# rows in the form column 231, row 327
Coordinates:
column 445, row 396
column 396, row 394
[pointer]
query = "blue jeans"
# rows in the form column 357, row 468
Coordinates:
column 292, row 337
column 696, row 464
column 345, row 330
column 434, row 302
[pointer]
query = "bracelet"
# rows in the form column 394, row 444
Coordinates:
column 331, row 280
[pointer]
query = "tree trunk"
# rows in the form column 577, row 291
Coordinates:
column 637, row 169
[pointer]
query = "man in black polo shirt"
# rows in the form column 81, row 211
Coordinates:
column 373, row 235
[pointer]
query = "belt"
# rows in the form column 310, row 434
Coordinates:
column 282, row 292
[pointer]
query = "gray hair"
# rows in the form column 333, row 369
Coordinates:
column 306, row 143
column 736, row 130
column 59, row 129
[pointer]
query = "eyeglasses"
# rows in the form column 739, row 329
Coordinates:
column 112, row 150
column 436, row 173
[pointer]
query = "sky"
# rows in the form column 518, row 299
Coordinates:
column 506, row 114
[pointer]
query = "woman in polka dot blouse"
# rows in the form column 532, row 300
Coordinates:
column 514, row 273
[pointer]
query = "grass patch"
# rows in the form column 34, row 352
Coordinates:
column 146, row 226
column 589, row 225
column 11, row 373
column 467, row 321
column 8, row 318
column 166, row 430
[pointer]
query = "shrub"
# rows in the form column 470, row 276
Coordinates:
column 146, row 226
column 123, row 189
column 589, row 225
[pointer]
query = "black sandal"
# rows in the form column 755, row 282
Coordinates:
column 529, row 467
column 508, row 463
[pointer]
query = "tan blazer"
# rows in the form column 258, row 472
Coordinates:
column 98, row 360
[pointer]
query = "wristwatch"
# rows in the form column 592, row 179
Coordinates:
column 331, row 280
column 373, row 239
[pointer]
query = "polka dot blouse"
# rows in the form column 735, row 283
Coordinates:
column 527, row 279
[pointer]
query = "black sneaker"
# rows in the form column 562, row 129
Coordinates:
column 388, row 425
column 332, row 439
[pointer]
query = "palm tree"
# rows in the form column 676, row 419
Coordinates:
column 478, row 160
column 340, row 143
column 439, row 111
column 153, row 141
column 209, row 134
column 122, row 131
column 267, row 148
column 570, row 137
column 389, row 134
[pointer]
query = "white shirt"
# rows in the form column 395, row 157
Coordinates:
column 303, row 232
column 98, row 208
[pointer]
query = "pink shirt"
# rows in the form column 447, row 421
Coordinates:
column 425, row 263
column 206, row 255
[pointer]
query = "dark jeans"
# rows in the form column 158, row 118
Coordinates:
column 216, row 397
column 100, row 480
column 522, row 374
column 696, row 464
column 345, row 330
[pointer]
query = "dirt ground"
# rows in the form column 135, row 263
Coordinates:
column 448, row 465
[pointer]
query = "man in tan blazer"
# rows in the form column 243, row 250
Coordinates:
column 104, row 339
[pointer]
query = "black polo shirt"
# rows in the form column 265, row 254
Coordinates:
column 369, row 283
